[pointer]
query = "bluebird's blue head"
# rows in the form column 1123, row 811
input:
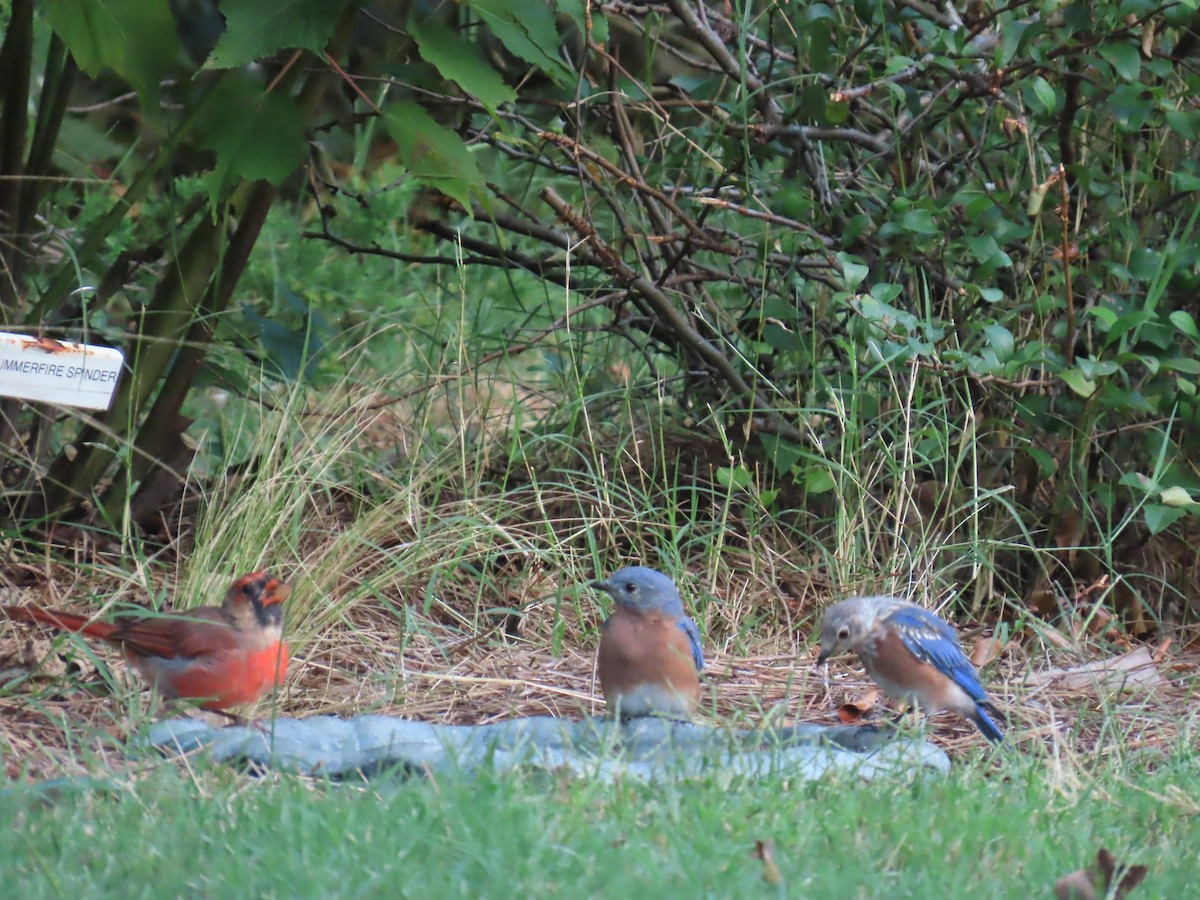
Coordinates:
column 642, row 590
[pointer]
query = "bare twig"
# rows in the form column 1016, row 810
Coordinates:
column 675, row 318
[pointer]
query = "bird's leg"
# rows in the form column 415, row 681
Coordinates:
column 902, row 719
column 189, row 708
column 232, row 717
column 242, row 720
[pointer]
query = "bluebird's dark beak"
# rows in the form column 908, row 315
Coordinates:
column 824, row 656
column 601, row 586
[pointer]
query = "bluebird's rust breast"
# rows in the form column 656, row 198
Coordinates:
column 646, row 666
column 901, row 675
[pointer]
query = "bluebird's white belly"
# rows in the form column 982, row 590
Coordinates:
column 651, row 700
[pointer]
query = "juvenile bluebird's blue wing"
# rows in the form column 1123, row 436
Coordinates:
column 689, row 628
column 931, row 640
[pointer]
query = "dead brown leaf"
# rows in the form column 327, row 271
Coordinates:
column 1160, row 652
column 986, row 650
column 1015, row 126
column 1131, row 609
column 1070, row 525
column 1084, row 591
column 932, row 499
column 1071, row 251
column 1136, row 669
column 1097, row 881
column 1043, row 601
column 1098, row 621
column 1051, row 635
column 765, row 851
column 852, row 711
column 1148, row 38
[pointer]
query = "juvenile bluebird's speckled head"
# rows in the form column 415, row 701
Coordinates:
column 850, row 622
column 642, row 590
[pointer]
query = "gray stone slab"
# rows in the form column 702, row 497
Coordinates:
column 644, row 749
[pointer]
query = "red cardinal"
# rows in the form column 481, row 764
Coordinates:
column 229, row 654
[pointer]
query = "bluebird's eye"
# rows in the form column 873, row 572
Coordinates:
column 843, row 633
column 630, row 587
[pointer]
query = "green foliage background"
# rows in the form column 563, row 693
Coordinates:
column 927, row 265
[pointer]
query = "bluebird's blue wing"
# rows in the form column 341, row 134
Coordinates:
column 689, row 628
column 933, row 641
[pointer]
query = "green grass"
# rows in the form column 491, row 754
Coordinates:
column 981, row 832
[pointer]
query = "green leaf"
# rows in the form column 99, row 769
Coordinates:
column 1047, row 463
column 1044, row 93
column 837, row 112
column 258, row 28
column 294, row 351
column 83, row 140
column 820, row 46
column 1011, row 36
column 1145, row 263
column 1183, row 321
column 1105, row 316
column 1096, row 368
column 783, row 454
column 1125, row 59
column 1188, row 364
column 1138, row 481
column 1001, row 340
column 780, row 339
column 528, row 30
column 917, row 221
column 256, row 135
column 736, row 478
column 885, row 315
column 134, row 38
column 1131, row 321
column 853, row 271
column 817, row 480
column 1078, row 383
column 1130, row 107
column 1185, row 181
column 885, row 292
column 432, row 153
column 982, row 247
column 580, row 11
column 1159, row 518
column 1152, row 363
column 460, row 61
column 1182, row 123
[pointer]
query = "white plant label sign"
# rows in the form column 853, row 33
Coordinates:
column 62, row 372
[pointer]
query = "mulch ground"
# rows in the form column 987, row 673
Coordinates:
column 60, row 716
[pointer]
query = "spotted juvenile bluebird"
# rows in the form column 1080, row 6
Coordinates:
column 911, row 654
column 650, row 656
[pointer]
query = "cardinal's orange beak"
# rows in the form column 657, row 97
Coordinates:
column 275, row 592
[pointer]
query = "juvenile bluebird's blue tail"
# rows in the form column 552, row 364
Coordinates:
column 989, row 729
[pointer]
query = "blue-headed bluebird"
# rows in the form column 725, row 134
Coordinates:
column 911, row 654
column 650, row 655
